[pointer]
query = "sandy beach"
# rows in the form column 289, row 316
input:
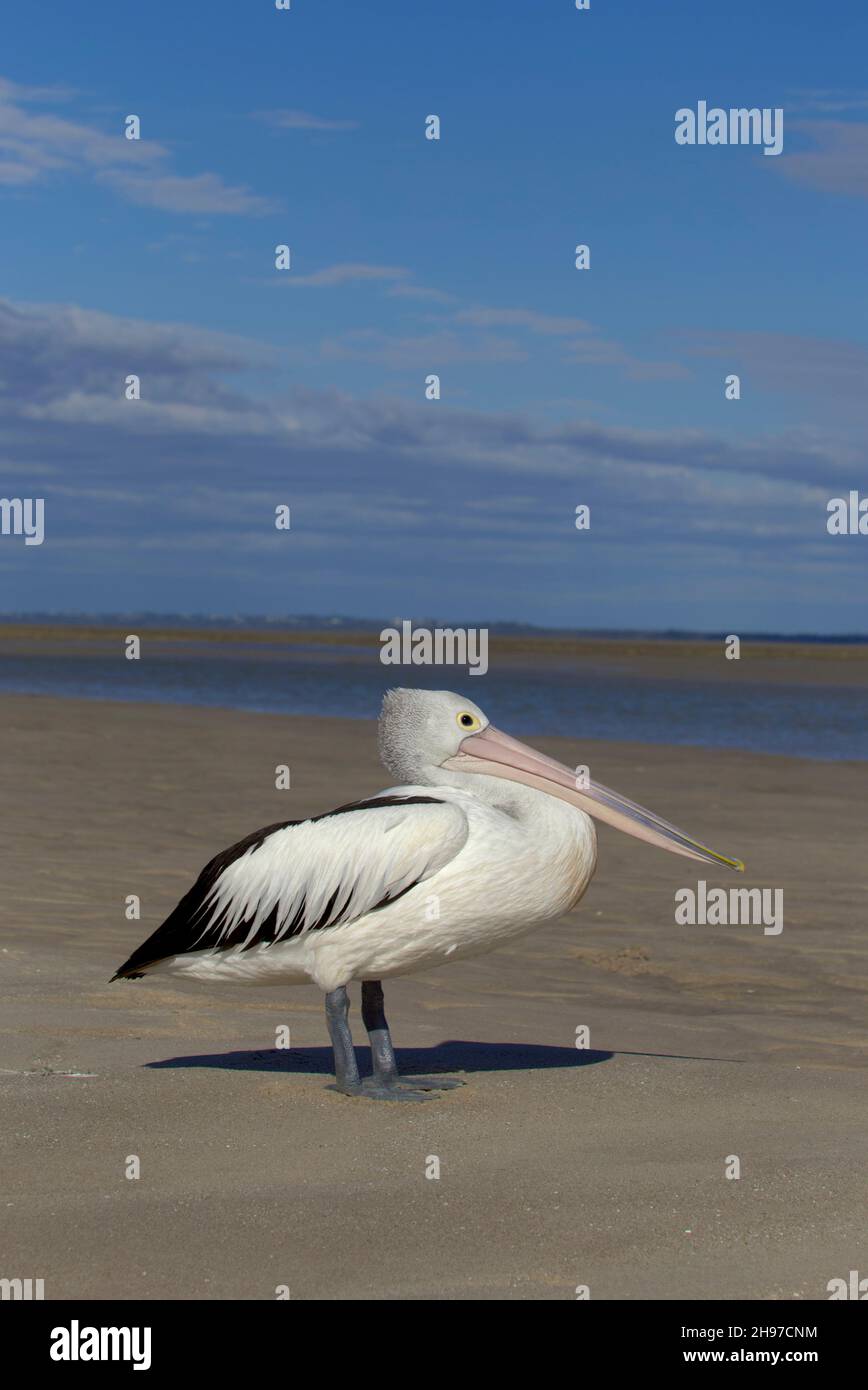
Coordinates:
column 558, row 1167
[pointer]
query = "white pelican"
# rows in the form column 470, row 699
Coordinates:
column 483, row 839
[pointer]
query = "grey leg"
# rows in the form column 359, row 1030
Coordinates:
column 374, row 1019
column 337, row 1007
column 385, row 1083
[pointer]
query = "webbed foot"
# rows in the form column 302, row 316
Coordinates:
column 414, row 1088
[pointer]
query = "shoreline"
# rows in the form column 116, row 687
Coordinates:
column 661, row 658
column 637, row 746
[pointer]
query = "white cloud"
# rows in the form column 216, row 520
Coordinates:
column 432, row 350
column 548, row 324
column 601, row 352
column 420, row 292
column 830, row 368
column 343, row 274
column 477, row 489
column 202, row 193
column 35, row 145
column 831, row 101
column 302, row 120
column 838, row 163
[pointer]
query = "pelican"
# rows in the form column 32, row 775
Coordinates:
column 482, row 839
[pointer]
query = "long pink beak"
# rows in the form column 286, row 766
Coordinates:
column 497, row 755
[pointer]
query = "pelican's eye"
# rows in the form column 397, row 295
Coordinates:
column 468, row 721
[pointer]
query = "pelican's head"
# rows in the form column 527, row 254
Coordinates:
column 425, row 734
column 420, row 730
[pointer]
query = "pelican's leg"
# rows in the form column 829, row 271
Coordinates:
column 337, row 1007
column 385, row 1083
column 385, row 1069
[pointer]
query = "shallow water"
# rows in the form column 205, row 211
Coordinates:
column 804, row 721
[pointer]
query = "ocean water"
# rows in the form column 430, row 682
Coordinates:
column 803, row 721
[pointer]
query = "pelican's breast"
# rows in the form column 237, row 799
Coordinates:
column 512, row 873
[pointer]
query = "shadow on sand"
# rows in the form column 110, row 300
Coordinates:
column 454, row 1055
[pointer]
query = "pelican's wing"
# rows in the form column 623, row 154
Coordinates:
column 301, row 876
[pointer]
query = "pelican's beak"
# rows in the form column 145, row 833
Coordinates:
column 498, row 755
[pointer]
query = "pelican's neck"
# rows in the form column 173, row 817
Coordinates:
column 535, row 809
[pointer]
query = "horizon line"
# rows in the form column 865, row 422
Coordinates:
column 320, row 621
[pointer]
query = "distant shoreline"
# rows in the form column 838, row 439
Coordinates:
column 341, row 629
column 790, row 662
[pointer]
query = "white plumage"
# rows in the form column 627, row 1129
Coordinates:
column 356, row 859
column 468, row 876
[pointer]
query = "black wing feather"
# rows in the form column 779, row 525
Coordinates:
column 181, row 932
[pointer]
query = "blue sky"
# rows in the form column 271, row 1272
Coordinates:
column 455, row 257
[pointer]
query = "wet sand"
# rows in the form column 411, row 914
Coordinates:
column 558, row 1167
